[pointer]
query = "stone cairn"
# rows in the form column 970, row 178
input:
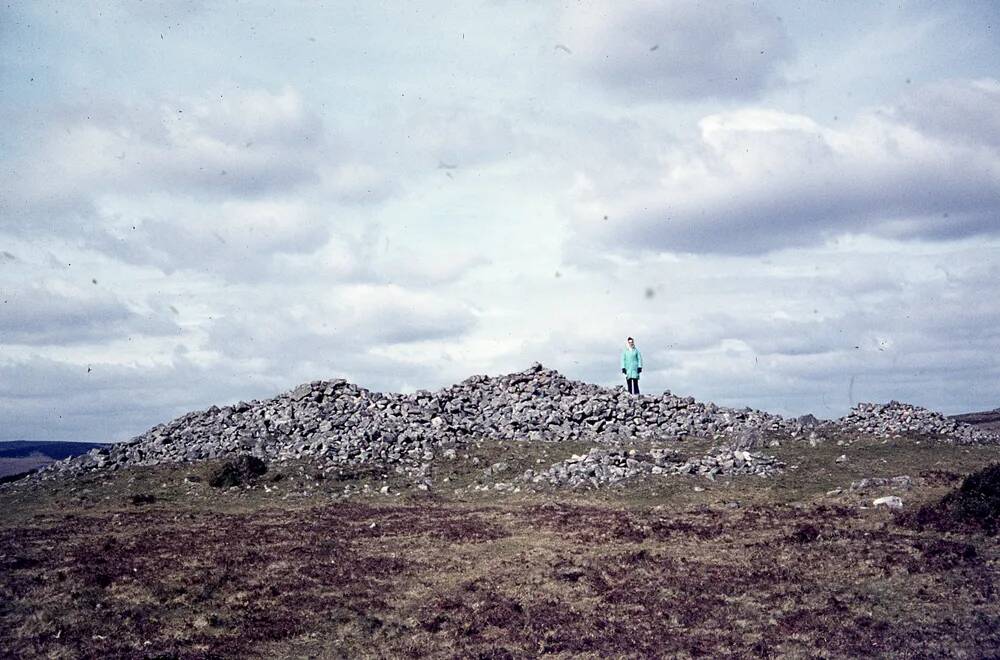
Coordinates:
column 896, row 420
column 340, row 425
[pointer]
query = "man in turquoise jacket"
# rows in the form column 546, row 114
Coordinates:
column 632, row 366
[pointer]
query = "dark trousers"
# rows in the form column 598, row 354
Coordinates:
column 633, row 385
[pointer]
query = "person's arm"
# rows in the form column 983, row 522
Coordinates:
column 638, row 357
column 623, row 361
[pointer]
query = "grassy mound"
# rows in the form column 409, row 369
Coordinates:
column 975, row 504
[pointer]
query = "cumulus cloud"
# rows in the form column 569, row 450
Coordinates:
column 676, row 49
column 760, row 180
column 232, row 239
column 374, row 255
column 964, row 111
column 226, row 184
column 340, row 320
column 239, row 144
column 906, row 342
column 394, row 315
column 55, row 313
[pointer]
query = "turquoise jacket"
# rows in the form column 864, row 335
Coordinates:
column 631, row 362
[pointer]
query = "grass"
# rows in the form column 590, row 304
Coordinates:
column 156, row 563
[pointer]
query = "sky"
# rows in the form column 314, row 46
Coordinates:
column 793, row 206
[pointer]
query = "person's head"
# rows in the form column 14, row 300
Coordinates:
column 631, row 342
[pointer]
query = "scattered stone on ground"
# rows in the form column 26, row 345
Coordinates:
column 606, row 466
column 902, row 482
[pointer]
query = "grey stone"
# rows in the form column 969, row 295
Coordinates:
column 339, row 425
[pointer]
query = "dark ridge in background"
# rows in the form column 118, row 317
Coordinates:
column 988, row 419
column 54, row 450
column 19, row 458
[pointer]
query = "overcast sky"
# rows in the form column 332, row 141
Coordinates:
column 790, row 205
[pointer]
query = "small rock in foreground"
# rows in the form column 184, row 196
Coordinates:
column 890, row 502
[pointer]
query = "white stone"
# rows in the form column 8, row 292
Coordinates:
column 889, row 501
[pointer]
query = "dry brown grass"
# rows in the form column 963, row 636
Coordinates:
column 654, row 569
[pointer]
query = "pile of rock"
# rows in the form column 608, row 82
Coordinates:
column 728, row 462
column 608, row 466
column 340, row 424
column 895, row 419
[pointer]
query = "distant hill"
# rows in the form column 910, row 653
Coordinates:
column 988, row 420
column 984, row 417
column 19, row 456
column 54, row 450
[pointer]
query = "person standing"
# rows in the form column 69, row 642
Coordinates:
column 632, row 366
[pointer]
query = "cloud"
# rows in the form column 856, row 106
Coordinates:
column 760, row 180
column 357, row 183
column 265, row 342
column 458, row 135
column 244, row 144
column 337, row 321
column 226, row 184
column 232, row 239
column 49, row 399
column 375, row 255
column 59, row 314
column 807, row 363
column 394, row 315
column 676, row 49
column 962, row 111
column 910, row 342
column 787, row 333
